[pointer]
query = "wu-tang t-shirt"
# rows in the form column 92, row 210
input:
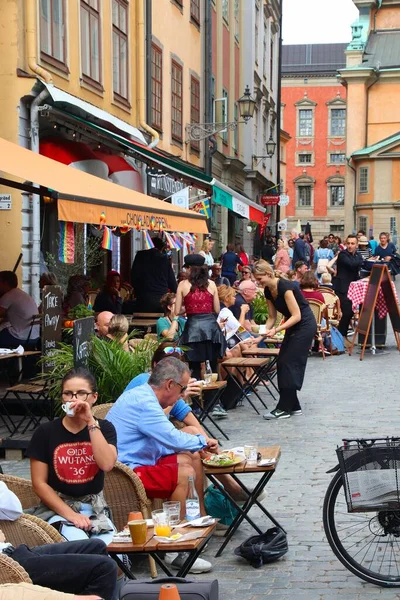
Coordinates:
column 69, row 456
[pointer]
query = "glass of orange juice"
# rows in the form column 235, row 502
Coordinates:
column 161, row 523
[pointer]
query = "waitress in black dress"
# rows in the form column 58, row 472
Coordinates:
column 300, row 328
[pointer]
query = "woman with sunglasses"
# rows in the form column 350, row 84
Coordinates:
column 69, row 457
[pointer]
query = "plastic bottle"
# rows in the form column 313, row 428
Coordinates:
column 192, row 502
column 208, row 373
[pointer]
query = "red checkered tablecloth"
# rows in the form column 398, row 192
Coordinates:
column 357, row 292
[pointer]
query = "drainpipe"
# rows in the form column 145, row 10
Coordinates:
column 141, row 61
column 278, row 119
column 31, row 37
column 207, row 84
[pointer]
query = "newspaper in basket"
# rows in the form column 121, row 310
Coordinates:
column 371, row 475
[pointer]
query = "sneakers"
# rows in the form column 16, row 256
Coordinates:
column 177, row 560
column 219, row 412
column 296, row 413
column 242, row 497
column 276, row 414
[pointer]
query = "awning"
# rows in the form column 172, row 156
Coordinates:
column 82, row 197
column 79, row 108
column 239, row 204
column 152, row 156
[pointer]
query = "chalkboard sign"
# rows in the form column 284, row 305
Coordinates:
column 82, row 334
column 379, row 279
column 52, row 324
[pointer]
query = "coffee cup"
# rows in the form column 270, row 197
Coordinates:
column 255, row 328
column 70, row 412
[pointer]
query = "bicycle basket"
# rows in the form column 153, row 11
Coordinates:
column 371, row 473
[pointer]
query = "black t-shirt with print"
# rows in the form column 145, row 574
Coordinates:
column 69, row 456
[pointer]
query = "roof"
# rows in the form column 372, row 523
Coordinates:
column 312, row 59
column 392, row 139
column 382, row 49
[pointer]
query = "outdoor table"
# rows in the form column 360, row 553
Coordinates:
column 19, row 358
column 147, row 324
column 269, row 371
column 155, row 549
column 214, row 391
column 273, row 452
column 257, row 366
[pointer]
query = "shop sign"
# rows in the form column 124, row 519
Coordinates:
column 81, row 341
column 269, row 200
column 284, row 200
column 5, row 202
column 51, row 325
column 165, row 186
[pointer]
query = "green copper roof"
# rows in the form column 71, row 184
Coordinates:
column 378, row 146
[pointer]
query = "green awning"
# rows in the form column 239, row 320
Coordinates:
column 151, row 155
column 237, row 203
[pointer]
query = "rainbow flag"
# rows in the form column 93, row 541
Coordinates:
column 106, row 244
column 178, row 243
column 170, row 240
column 66, row 251
column 147, row 240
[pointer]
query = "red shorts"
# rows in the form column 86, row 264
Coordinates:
column 161, row 479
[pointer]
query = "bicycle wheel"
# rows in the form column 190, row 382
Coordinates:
column 367, row 544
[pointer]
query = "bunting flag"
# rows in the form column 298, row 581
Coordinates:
column 188, row 238
column 147, row 240
column 264, row 223
column 178, row 243
column 66, row 252
column 106, row 243
column 171, row 242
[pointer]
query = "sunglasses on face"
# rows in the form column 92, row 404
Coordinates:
column 173, row 350
column 183, row 387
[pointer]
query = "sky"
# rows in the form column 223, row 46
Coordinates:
column 317, row 21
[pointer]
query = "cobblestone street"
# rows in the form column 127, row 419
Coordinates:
column 342, row 397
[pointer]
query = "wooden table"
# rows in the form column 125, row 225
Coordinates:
column 272, row 452
column 240, row 365
column 19, row 358
column 155, row 549
column 214, row 391
column 269, row 370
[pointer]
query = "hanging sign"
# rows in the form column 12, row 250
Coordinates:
column 282, row 225
column 269, row 200
column 283, row 200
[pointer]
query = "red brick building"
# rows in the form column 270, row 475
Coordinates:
column 314, row 114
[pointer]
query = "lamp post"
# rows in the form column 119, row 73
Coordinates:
column 270, row 148
column 201, row 131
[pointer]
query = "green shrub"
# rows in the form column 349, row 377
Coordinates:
column 260, row 309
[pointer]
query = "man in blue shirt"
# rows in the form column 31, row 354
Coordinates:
column 299, row 249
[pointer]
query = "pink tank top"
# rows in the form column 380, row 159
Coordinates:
column 198, row 302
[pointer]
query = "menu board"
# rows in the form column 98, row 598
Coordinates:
column 81, row 341
column 52, row 323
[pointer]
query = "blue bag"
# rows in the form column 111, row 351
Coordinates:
column 337, row 339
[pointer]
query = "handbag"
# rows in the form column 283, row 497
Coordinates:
column 188, row 590
column 218, row 506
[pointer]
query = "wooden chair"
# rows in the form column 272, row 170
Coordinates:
column 319, row 311
column 100, row 411
column 11, row 571
column 332, row 303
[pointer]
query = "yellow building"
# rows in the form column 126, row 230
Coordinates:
column 73, row 76
column 372, row 79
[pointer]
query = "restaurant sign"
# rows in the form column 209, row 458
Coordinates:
column 165, row 186
column 269, row 200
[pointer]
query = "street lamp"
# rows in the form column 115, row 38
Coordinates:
column 201, row 131
column 270, row 147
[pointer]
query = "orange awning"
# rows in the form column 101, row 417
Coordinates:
column 83, row 197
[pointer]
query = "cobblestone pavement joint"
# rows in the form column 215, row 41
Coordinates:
column 342, row 397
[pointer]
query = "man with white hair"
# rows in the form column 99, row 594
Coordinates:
column 299, row 248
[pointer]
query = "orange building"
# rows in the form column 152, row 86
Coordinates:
column 372, row 80
column 314, row 114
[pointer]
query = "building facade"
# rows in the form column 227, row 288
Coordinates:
column 372, row 80
column 313, row 112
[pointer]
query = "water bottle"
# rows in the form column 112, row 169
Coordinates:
column 192, row 502
column 208, row 373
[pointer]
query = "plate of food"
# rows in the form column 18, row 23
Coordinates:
column 224, row 459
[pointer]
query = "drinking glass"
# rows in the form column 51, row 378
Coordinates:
column 173, row 510
column 161, row 523
column 138, row 531
column 250, row 453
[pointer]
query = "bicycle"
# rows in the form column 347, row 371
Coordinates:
column 361, row 511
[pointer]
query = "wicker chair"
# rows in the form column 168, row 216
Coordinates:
column 319, row 311
column 100, row 411
column 11, row 571
column 31, row 531
column 124, row 492
column 21, row 488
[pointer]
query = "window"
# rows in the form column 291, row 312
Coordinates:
column 304, row 193
column 236, row 17
column 305, row 122
column 305, row 159
column 265, row 49
column 363, row 185
column 336, row 229
column 195, row 11
column 91, row 40
column 337, row 158
column 271, row 65
column 52, row 31
column 337, row 195
column 120, row 48
column 225, row 10
column 195, row 107
column 363, row 223
column 393, row 226
column 225, row 110
column 176, row 101
column 338, row 121
column 156, row 87
column 256, row 21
